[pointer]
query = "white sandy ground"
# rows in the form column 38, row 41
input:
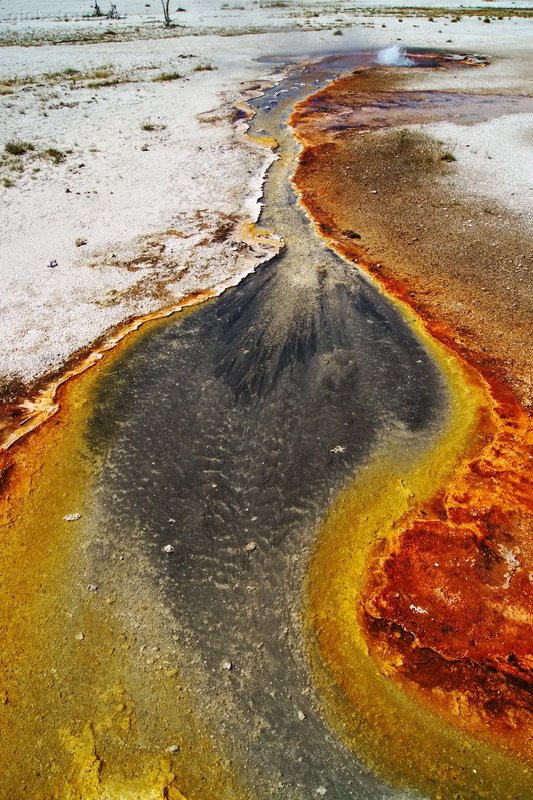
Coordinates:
column 122, row 189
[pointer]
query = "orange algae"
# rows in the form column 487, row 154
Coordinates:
column 92, row 702
column 440, row 592
column 409, row 742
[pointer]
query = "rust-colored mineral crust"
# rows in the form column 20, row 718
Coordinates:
column 448, row 601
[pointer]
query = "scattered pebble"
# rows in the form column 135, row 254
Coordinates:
column 301, row 716
column 72, row 517
column 92, row 587
column 168, row 548
column 250, row 547
column 80, row 636
column 174, row 748
column 227, row 665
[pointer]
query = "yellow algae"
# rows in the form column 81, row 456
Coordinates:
column 92, row 703
column 399, row 737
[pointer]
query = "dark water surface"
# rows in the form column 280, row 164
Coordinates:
column 225, row 434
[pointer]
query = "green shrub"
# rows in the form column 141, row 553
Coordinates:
column 15, row 147
column 167, row 76
column 55, row 155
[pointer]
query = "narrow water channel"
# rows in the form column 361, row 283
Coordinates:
column 224, row 436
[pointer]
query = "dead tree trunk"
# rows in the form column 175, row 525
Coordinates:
column 166, row 12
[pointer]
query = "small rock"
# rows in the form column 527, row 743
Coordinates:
column 92, row 587
column 144, row 148
column 250, row 547
column 321, row 791
column 72, row 517
column 174, row 748
column 80, row 636
column 301, row 716
column 80, row 242
column 167, row 548
column 227, row 665
column 53, row 263
column 337, row 449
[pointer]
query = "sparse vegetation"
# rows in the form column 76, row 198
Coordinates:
column 149, row 127
column 99, row 73
column 74, row 76
column 447, row 156
column 7, row 183
column 103, row 84
column 167, row 76
column 16, row 147
column 55, row 155
column 338, row 32
column 203, row 68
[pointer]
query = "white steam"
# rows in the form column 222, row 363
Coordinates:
column 394, row 56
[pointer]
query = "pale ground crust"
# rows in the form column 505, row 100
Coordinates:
column 137, row 218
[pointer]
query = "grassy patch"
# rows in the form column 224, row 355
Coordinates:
column 168, row 76
column 103, row 84
column 55, row 155
column 431, row 12
column 7, row 183
column 16, row 147
column 152, row 126
column 67, row 74
column 99, row 73
column 204, row 68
